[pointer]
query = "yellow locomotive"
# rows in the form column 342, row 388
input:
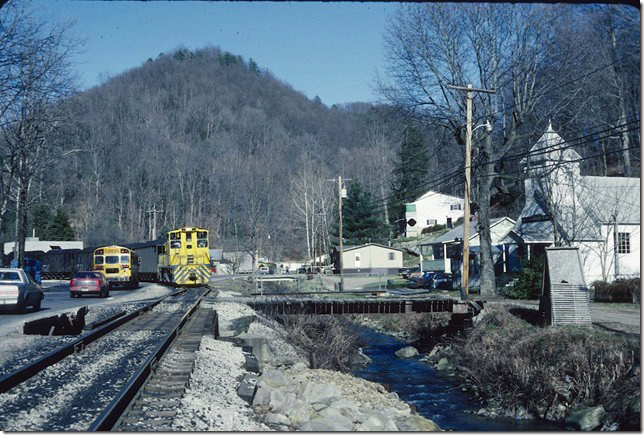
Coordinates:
column 185, row 257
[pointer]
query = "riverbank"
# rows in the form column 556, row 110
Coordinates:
column 586, row 377
column 289, row 395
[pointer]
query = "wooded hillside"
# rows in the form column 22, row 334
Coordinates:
column 214, row 141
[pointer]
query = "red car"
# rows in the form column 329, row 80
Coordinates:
column 89, row 283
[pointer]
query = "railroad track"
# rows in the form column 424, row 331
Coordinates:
column 88, row 387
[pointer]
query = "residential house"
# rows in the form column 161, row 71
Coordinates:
column 444, row 253
column 369, row 258
column 433, row 208
column 599, row 215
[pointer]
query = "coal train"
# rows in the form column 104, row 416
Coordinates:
column 182, row 259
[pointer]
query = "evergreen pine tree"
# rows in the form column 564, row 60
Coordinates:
column 409, row 174
column 41, row 219
column 60, row 229
column 361, row 221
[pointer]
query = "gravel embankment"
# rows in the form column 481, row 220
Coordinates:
column 290, row 396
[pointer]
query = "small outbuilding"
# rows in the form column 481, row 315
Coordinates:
column 368, row 258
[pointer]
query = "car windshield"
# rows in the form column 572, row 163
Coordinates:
column 9, row 276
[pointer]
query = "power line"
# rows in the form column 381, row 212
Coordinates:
column 539, row 95
column 549, row 148
column 437, row 181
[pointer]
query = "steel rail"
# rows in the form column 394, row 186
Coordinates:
column 24, row 373
column 112, row 413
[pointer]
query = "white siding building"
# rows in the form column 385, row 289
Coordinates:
column 599, row 215
column 369, row 258
column 35, row 244
column 433, row 208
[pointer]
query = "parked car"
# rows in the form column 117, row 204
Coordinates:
column 264, row 270
column 442, row 281
column 19, row 290
column 425, row 280
column 89, row 283
column 406, row 273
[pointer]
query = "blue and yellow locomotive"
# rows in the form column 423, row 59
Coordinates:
column 185, row 257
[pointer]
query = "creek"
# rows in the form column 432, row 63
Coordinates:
column 435, row 396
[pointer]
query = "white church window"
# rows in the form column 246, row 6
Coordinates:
column 623, row 243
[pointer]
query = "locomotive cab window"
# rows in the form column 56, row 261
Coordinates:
column 175, row 245
column 202, row 235
column 125, row 259
column 112, row 259
column 188, row 236
column 98, row 259
column 202, row 243
column 175, row 236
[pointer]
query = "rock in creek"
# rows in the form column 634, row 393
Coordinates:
column 407, row 352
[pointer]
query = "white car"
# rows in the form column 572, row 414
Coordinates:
column 19, row 290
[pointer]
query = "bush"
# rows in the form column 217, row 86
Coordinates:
column 433, row 228
column 529, row 280
column 620, row 290
column 328, row 337
column 509, row 363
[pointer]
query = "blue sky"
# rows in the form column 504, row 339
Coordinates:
column 327, row 49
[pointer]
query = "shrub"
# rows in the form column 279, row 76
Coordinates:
column 509, row 363
column 328, row 337
column 529, row 280
column 620, row 290
column 433, row 228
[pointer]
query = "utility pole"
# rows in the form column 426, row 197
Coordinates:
column 341, row 194
column 340, row 231
column 468, row 173
column 153, row 214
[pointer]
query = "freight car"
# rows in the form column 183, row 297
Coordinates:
column 63, row 263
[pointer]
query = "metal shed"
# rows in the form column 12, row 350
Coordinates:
column 564, row 294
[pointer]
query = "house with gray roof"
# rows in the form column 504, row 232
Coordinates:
column 444, row 253
column 599, row 215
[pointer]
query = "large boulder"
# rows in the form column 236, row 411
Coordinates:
column 299, row 413
column 407, row 352
column 443, row 364
column 272, row 378
column 326, row 424
column 376, row 422
column 587, row 418
column 359, row 359
column 314, row 392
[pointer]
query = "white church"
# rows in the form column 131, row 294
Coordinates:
column 599, row 215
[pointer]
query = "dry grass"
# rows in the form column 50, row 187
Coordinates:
column 509, row 362
column 329, row 337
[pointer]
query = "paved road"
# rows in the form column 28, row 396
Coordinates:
column 57, row 300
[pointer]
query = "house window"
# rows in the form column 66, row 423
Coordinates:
column 392, row 256
column 431, row 221
column 455, row 207
column 623, row 243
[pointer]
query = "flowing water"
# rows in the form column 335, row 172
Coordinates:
column 436, row 397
